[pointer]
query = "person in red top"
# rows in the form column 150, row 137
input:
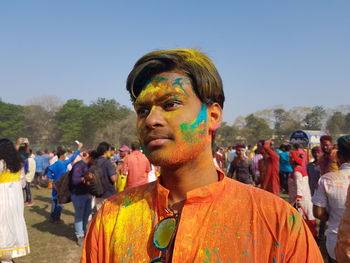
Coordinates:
column 269, row 168
column 193, row 212
column 136, row 166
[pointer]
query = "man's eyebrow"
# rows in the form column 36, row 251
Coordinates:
column 175, row 94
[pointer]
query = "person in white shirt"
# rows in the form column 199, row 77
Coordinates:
column 330, row 196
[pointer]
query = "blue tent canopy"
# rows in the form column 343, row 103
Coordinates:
column 305, row 137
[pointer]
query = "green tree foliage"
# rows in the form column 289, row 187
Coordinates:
column 226, row 135
column 37, row 123
column 12, row 121
column 71, row 122
column 346, row 128
column 91, row 124
column 336, row 124
column 255, row 129
column 314, row 119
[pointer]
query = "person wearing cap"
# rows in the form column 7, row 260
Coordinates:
column 193, row 212
column 329, row 203
column 313, row 168
column 241, row 166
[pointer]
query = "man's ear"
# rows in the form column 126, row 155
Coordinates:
column 214, row 117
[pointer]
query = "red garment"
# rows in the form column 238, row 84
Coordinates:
column 271, row 181
column 297, row 157
column 136, row 166
column 300, row 170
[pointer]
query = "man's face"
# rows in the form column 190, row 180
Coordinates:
column 326, row 147
column 171, row 120
column 240, row 152
column 316, row 155
column 122, row 154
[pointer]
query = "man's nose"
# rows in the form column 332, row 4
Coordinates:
column 155, row 118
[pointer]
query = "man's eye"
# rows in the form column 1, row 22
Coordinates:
column 171, row 105
column 142, row 112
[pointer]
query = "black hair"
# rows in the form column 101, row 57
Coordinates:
column 10, row 155
column 135, row 145
column 60, row 152
column 102, row 148
column 205, row 79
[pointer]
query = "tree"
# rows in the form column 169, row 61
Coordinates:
column 11, row 121
column 101, row 114
column 49, row 103
column 37, row 124
column 336, row 124
column 256, row 129
column 226, row 135
column 346, row 128
column 71, row 122
column 313, row 120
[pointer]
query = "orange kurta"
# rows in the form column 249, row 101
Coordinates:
column 222, row 222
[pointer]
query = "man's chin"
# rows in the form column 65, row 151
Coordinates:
column 159, row 158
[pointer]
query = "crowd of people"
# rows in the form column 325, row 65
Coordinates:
column 178, row 200
column 316, row 179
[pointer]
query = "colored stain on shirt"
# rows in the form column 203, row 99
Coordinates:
column 127, row 202
column 208, row 257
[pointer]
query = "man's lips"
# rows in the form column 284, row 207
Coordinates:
column 156, row 140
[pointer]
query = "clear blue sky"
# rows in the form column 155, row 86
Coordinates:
column 294, row 53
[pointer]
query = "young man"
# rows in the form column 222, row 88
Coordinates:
column 136, row 166
column 109, row 173
column 328, row 160
column 242, row 166
column 80, row 197
column 207, row 217
column 313, row 169
column 55, row 171
column 330, row 196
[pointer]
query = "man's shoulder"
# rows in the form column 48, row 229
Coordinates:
column 130, row 196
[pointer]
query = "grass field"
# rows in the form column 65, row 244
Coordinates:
column 49, row 242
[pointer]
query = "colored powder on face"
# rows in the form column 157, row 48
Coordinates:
column 201, row 118
column 216, row 126
column 179, row 82
column 191, row 130
column 155, row 80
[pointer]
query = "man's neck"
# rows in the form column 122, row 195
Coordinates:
column 191, row 175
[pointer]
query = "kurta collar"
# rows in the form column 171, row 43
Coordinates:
column 204, row 194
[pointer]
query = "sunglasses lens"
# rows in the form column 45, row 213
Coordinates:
column 163, row 233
